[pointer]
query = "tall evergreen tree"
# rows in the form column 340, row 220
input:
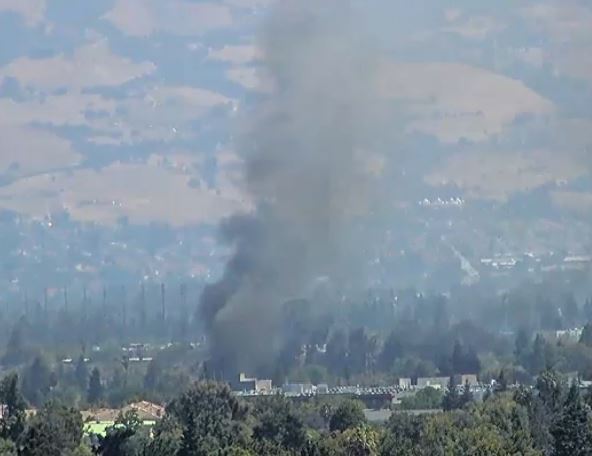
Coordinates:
column 16, row 352
column 521, row 346
column 501, row 384
column 81, row 373
column 458, row 358
column 588, row 309
column 125, row 437
column 551, row 389
column 95, row 387
column 571, row 310
column 464, row 361
column 572, row 430
column 37, row 381
column 467, row 395
column 153, row 373
column 212, row 418
column 13, row 418
column 586, row 337
column 538, row 360
column 451, row 399
column 348, row 415
column 56, row 430
column 391, row 350
column 279, row 424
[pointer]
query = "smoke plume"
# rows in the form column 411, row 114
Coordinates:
column 307, row 149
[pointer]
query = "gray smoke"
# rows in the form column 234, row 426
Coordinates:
column 307, row 150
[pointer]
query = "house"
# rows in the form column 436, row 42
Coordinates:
column 565, row 336
column 569, row 336
column 434, row 382
column 263, row 386
column 404, row 383
column 147, row 411
column 322, row 388
column 247, row 384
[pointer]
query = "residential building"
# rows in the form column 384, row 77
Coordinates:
column 434, row 382
column 404, row 383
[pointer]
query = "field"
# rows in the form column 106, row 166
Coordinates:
column 100, row 427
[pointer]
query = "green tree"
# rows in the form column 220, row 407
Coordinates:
column 451, row 399
column 81, row 373
column 16, row 351
column 458, row 358
column 540, row 404
column 464, row 361
column 501, row 384
column 349, row 414
column 153, row 374
column 168, row 435
column 56, row 430
column 588, row 309
column 586, row 337
column 359, row 441
column 467, row 396
column 391, row 350
column 402, row 435
column 425, row 399
column 212, row 419
column 440, row 435
column 551, row 389
column 95, row 387
column 37, row 381
column 7, row 448
column 278, row 423
column 12, row 422
column 538, row 360
column 124, row 437
column 509, row 420
column 362, row 350
column 571, row 311
column 521, row 346
column 337, row 352
column 572, row 430
column 482, row 439
column 81, row 450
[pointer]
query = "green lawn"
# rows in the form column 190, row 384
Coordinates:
column 100, row 427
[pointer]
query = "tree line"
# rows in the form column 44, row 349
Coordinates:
column 551, row 419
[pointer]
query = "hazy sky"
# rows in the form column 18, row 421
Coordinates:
column 99, row 99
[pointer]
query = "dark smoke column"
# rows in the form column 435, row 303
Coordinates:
column 304, row 150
